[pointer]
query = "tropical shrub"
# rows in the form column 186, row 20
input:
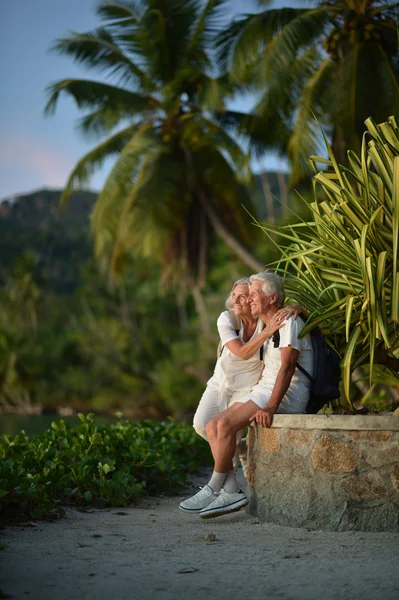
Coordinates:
column 343, row 263
column 109, row 465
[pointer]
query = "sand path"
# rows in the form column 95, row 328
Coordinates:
column 157, row 552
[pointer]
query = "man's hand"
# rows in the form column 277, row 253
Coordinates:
column 263, row 417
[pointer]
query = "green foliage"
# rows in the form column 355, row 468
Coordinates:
column 343, row 264
column 109, row 465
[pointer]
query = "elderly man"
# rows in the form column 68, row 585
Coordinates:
column 281, row 388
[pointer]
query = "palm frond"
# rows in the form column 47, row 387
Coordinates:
column 300, row 32
column 208, row 23
column 244, row 41
column 306, row 133
column 99, row 50
column 94, row 159
column 124, row 12
column 88, row 93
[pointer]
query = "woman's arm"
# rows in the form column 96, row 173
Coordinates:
column 246, row 350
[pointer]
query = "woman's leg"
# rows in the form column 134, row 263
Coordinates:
column 207, row 409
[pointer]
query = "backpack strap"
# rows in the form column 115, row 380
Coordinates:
column 304, row 371
column 276, row 341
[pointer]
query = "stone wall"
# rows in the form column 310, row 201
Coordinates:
column 337, row 473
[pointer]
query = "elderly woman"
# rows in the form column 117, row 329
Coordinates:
column 240, row 363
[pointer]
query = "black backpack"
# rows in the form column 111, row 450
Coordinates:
column 326, row 373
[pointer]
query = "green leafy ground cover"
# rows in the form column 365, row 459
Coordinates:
column 98, row 465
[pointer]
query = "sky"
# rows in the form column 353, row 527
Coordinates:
column 38, row 151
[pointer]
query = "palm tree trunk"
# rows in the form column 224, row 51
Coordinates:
column 200, row 308
column 182, row 308
column 227, row 237
column 283, row 193
column 267, row 192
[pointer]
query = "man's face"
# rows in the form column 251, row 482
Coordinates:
column 256, row 297
column 258, row 300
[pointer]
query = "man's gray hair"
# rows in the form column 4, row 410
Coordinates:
column 271, row 284
column 242, row 281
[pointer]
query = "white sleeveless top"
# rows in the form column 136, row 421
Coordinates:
column 234, row 374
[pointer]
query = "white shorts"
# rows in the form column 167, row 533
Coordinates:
column 295, row 400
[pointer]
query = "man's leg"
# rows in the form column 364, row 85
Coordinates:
column 222, row 430
column 233, row 419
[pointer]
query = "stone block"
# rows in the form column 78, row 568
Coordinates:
column 395, row 478
column 333, row 456
column 269, row 440
column 372, row 437
column 365, row 487
column 286, row 464
column 378, row 458
column 298, row 438
column 382, row 517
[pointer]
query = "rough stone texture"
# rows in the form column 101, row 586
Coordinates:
column 377, row 458
column 395, row 478
column 372, row 437
column 269, row 441
column 365, row 487
column 251, row 460
column 332, row 479
column 337, row 422
column 299, row 438
column 329, row 455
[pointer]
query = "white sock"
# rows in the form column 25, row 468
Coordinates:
column 216, row 481
column 230, row 483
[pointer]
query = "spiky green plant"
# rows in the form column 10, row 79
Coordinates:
column 174, row 179
column 343, row 264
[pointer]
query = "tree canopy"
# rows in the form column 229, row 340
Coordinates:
column 337, row 60
column 177, row 176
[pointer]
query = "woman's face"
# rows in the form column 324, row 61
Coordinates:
column 239, row 298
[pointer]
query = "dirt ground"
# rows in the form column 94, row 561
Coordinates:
column 155, row 551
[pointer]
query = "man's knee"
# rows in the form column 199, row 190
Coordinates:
column 224, row 427
column 211, row 429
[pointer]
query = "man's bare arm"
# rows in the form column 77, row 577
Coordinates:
column 289, row 357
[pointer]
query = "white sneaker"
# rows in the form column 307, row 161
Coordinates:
column 225, row 503
column 201, row 500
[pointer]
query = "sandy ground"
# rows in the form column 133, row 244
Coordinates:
column 156, row 551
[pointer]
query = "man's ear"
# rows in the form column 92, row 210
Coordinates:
column 273, row 299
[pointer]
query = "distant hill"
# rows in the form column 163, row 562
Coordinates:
column 60, row 238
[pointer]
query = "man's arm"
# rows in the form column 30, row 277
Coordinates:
column 289, row 357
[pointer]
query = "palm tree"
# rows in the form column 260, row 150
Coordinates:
column 174, row 181
column 337, row 60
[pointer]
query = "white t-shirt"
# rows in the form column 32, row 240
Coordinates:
column 297, row 395
column 288, row 337
column 233, row 373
